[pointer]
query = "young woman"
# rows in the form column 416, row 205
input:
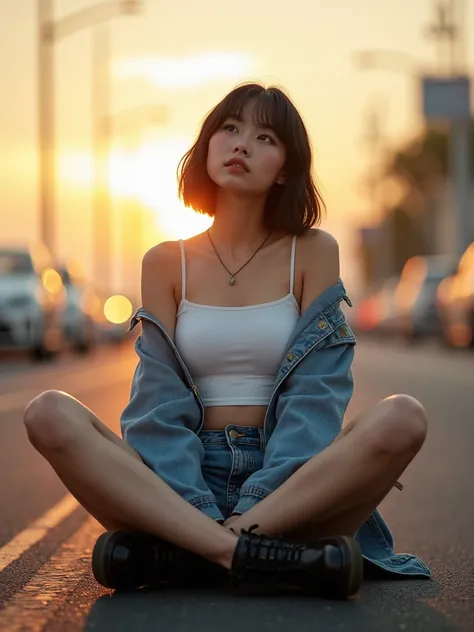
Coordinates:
column 233, row 432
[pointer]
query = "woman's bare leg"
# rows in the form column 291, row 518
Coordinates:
column 347, row 523
column 109, row 477
column 336, row 490
column 71, row 481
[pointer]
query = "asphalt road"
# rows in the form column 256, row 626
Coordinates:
column 46, row 538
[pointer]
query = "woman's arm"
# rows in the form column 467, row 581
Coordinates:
column 161, row 272
column 319, row 252
column 162, row 415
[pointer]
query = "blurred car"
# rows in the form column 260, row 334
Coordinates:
column 32, row 301
column 455, row 303
column 78, row 321
column 377, row 312
column 415, row 297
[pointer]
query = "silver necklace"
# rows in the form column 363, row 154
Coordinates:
column 232, row 275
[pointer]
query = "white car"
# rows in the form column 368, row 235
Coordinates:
column 32, row 300
column 78, row 322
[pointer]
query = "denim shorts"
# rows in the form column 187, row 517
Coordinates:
column 231, row 456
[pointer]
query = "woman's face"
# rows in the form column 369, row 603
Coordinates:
column 245, row 158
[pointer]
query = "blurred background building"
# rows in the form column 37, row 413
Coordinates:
column 421, row 190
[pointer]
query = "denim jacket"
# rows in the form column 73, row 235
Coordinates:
column 312, row 390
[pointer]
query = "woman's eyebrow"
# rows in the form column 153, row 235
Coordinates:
column 265, row 127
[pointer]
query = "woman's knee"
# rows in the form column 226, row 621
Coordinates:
column 49, row 420
column 400, row 426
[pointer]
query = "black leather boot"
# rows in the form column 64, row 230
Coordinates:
column 131, row 559
column 330, row 567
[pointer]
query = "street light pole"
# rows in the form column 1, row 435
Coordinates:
column 101, row 216
column 48, row 32
column 45, row 10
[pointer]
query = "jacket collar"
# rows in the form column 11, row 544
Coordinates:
column 326, row 302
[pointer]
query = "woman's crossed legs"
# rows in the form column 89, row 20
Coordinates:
column 333, row 493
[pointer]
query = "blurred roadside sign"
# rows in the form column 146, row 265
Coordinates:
column 446, row 99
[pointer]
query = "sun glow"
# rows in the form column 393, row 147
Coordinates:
column 149, row 174
column 185, row 72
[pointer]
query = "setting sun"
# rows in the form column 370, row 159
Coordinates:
column 149, row 174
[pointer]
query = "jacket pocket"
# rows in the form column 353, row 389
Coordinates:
column 341, row 334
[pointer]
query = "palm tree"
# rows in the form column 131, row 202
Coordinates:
column 420, row 168
column 416, row 171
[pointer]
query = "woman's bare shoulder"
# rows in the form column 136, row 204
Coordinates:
column 319, row 244
column 166, row 252
column 320, row 263
column 161, row 270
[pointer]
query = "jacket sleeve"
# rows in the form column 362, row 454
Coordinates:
column 161, row 419
column 309, row 413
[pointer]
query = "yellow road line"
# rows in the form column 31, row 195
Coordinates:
column 36, row 531
column 37, row 603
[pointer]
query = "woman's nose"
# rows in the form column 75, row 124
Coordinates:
column 241, row 148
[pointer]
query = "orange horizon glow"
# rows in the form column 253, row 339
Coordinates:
column 186, row 72
column 148, row 175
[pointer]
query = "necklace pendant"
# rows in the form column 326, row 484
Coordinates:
column 231, row 280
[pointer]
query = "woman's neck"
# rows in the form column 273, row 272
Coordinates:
column 238, row 222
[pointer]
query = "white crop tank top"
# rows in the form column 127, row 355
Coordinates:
column 234, row 353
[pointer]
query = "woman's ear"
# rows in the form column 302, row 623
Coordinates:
column 281, row 178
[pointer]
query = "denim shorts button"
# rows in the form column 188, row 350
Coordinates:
column 290, row 357
column 322, row 324
column 234, row 434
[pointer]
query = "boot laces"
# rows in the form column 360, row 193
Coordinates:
column 271, row 551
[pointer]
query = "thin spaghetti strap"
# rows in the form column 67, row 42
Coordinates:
column 183, row 270
column 292, row 264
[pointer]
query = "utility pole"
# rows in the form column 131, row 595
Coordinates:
column 460, row 15
column 373, row 139
column 443, row 31
column 45, row 10
column 448, row 30
column 449, row 34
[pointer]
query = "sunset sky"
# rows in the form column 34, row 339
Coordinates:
column 186, row 54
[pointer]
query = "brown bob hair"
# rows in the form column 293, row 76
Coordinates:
column 292, row 207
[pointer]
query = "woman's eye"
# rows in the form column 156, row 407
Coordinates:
column 229, row 127
column 266, row 138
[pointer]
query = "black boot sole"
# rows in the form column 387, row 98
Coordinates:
column 101, row 556
column 351, row 577
column 206, row 574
